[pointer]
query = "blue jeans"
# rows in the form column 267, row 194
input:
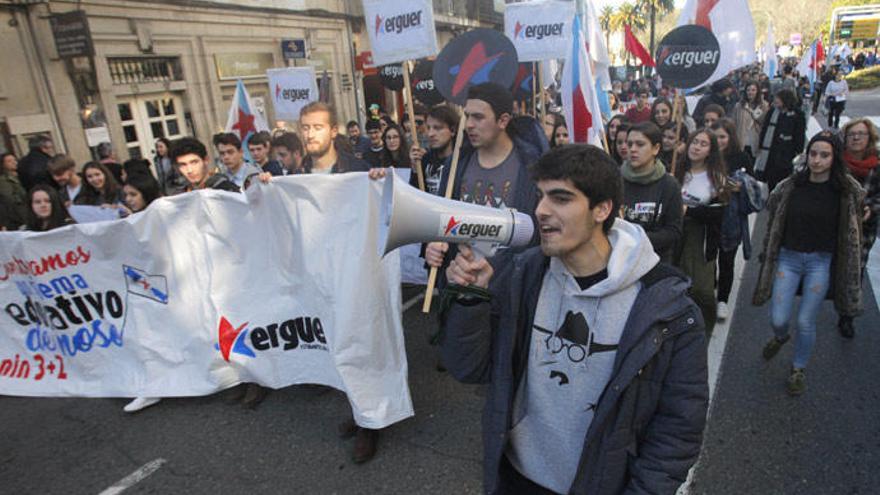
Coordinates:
column 814, row 269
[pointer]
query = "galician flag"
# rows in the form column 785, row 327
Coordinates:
column 599, row 55
column 770, row 53
column 579, row 92
column 809, row 65
column 242, row 120
column 731, row 22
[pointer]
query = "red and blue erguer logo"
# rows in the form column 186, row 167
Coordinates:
column 231, row 339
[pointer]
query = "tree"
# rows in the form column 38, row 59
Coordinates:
column 630, row 15
column 655, row 7
column 605, row 21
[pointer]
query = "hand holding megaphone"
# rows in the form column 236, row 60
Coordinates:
column 468, row 269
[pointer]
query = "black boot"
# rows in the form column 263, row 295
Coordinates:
column 845, row 327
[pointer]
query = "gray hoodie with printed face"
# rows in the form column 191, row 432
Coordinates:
column 571, row 358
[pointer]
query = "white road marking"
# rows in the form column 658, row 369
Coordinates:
column 134, row 478
column 874, row 271
column 408, row 304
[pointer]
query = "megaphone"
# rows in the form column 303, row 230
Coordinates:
column 410, row 216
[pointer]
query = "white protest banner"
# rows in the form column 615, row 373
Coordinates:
column 205, row 290
column 292, row 88
column 400, row 30
column 539, row 30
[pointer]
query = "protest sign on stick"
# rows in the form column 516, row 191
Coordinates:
column 292, row 89
column 686, row 58
column 539, row 30
column 401, row 31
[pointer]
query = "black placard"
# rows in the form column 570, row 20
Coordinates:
column 688, row 56
column 72, row 35
column 424, row 88
column 478, row 56
column 391, row 76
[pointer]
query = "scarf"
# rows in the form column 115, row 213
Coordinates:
column 764, row 153
column 648, row 176
column 860, row 168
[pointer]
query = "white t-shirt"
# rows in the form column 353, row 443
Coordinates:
column 697, row 189
column 73, row 192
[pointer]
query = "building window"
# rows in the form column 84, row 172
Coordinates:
column 137, row 70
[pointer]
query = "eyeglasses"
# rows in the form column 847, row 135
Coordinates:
column 857, row 134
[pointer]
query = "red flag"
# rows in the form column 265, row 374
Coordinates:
column 820, row 53
column 633, row 46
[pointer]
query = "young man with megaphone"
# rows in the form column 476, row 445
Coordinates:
column 594, row 355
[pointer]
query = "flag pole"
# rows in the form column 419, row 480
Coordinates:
column 450, row 186
column 408, row 95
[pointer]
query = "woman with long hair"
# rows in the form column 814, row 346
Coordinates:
column 611, row 132
column 651, row 197
column 170, row 180
column 749, row 115
column 781, row 140
column 396, row 151
column 100, row 187
column 46, row 210
column 620, row 150
column 661, row 112
column 559, row 136
column 703, row 180
column 813, row 240
column 860, row 156
column 731, row 236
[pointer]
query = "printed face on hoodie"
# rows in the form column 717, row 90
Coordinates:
column 566, row 220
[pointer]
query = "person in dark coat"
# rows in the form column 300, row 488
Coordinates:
column 33, row 168
column 782, row 138
column 593, row 354
column 722, row 94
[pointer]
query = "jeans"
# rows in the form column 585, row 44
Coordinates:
column 793, row 267
column 834, row 113
column 726, row 264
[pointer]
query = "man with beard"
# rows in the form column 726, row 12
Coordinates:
column 442, row 126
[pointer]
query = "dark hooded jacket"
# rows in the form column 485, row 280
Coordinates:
column 647, row 428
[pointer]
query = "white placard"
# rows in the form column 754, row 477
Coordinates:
column 291, row 89
column 400, row 30
column 205, row 290
column 97, row 135
column 540, row 30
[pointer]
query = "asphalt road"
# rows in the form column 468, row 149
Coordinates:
column 759, row 440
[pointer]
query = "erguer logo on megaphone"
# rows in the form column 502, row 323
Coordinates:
column 471, row 230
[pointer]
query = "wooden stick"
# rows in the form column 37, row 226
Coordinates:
column 407, row 93
column 450, row 186
column 678, row 114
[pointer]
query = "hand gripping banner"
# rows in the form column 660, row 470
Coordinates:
column 206, row 290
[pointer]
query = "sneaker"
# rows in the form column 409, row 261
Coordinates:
column 773, row 345
column 140, row 403
column 723, row 311
column 845, row 327
column 365, row 442
column 796, row 382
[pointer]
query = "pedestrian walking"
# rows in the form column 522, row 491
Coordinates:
column 835, row 96
column 749, row 115
column 860, row 155
column 13, row 197
column 781, row 140
column 813, row 241
column 704, row 193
